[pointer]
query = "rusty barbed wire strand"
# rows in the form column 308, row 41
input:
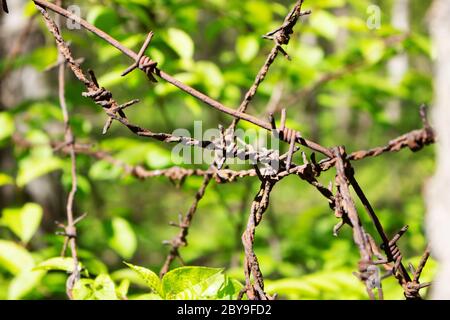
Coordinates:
column 103, row 97
column 255, row 289
column 69, row 230
column 193, row 92
column 184, row 223
column 351, row 217
column 341, row 202
column 305, row 93
column 394, row 145
column 415, row 140
column 389, row 246
column 174, row 173
column 280, row 37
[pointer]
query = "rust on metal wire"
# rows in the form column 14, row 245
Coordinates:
column 338, row 195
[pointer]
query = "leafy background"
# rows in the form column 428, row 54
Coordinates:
column 215, row 46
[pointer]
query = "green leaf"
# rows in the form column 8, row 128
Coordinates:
column 123, row 239
column 259, row 11
column 181, row 43
column 247, row 48
column 188, row 283
column 24, row 221
column 41, row 58
column 58, row 264
column 292, row 288
column 158, row 158
column 82, row 290
column 33, row 167
column 111, row 78
column 14, row 258
column 339, row 284
column 24, row 283
column 330, row 3
column 211, row 76
column 130, row 275
column 324, row 24
column 103, row 17
column 103, row 170
column 104, row 288
column 6, row 125
column 146, row 296
column 151, row 279
column 373, row 50
column 5, row 179
column 230, row 289
column 309, row 56
column 122, row 289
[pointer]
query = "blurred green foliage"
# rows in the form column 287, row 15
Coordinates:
column 216, row 47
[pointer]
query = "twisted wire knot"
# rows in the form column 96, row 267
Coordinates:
column 101, row 96
column 288, row 134
column 283, row 36
column 147, row 65
column 143, row 62
column 412, row 290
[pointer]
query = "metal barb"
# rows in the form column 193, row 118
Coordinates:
column 142, row 62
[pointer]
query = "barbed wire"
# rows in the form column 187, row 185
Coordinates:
column 341, row 201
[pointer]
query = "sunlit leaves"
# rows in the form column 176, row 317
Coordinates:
column 82, row 290
column 324, row 24
column 103, row 170
column 151, row 279
column 328, row 3
column 228, row 51
column 122, row 289
column 19, row 262
column 122, row 239
column 32, row 168
column 158, row 158
column 111, row 78
column 103, row 17
column 14, row 258
column 352, row 23
column 104, row 288
column 24, row 283
column 6, row 125
column 101, row 288
column 57, row 264
column 309, row 56
column 190, row 283
column 247, row 47
column 22, row 221
column 329, row 285
column 180, row 42
column 40, row 58
column 211, row 77
column 373, row 50
column 259, row 11
column 5, row 179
